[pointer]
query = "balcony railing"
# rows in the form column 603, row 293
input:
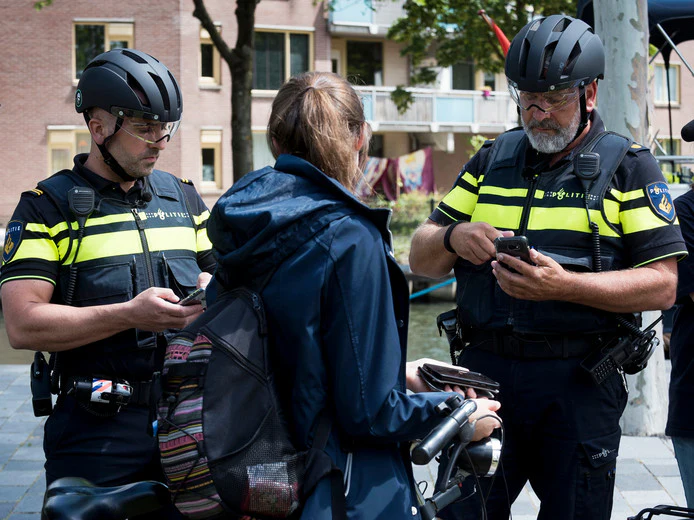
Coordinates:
column 440, row 111
column 356, row 17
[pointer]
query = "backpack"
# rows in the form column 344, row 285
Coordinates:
column 225, row 448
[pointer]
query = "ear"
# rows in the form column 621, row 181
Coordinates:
column 98, row 128
column 591, row 96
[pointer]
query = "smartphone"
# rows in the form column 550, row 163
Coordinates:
column 514, row 246
column 198, row 295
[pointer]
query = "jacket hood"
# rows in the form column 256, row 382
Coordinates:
column 269, row 213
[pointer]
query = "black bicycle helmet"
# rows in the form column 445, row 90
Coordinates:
column 555, row 53
column 112, row 80
column 128, row 83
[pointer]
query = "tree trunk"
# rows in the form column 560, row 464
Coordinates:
column 240, row 62
column 623, row 27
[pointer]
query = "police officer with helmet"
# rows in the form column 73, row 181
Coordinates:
column 96, row 259
column 558, row 330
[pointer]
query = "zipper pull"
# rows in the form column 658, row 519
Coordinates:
column 138, row 221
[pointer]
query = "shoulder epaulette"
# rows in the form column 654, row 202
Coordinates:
column 187, row 181
column 636, row 147
column 35, row 192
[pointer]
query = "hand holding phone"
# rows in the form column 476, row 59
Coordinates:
column 197, row 296
column 516, row 246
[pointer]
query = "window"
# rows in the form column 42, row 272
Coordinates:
column 91, row 39
column 666, row 149
column 279, row 55
column 489, row 80
column 376, row 146
column 660, row 85
column 463, row 76
column 63, row 145
column 210, row 71
column 262, row 156
column 365, row 63
column 211, row 158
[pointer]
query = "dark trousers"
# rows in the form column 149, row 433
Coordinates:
column 108, row 451
column 561, row 433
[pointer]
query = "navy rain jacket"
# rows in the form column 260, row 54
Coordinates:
column 337, row 308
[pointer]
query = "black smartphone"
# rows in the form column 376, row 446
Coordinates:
column 514, row 246
column 437, row 376
column 198, row 295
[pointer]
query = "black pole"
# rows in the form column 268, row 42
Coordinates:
column 669, row 113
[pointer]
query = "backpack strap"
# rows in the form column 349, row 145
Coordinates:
column 322, row 466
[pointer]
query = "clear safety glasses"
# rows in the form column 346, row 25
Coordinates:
column 150, row 132
column 544, row 101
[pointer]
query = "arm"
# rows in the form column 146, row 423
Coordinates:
column 472, row 241
column 650, row 287
column 34, row 323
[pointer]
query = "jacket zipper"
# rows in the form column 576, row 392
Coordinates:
column 145, row 247
column 522, row 228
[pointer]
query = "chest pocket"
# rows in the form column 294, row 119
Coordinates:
column 100, row 284
column 181, row 274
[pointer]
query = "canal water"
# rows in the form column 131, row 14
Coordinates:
column 423, row 337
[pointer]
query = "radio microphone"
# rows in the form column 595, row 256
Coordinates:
column 146, row 196
column 688, row 132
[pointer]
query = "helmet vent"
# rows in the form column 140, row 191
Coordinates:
column 561, row 25
column 134, row 56
column 549, row 52
column 178, row 93
column 162, row 91
column 137, row 88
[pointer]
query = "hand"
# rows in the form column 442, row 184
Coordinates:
column 474, row 241
column 485, row 427
column 156, row 310
column 203, row 279
column 546, row 280
column 416, row 384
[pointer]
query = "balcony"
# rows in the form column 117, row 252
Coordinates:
column 355, row 17
column 460, row 111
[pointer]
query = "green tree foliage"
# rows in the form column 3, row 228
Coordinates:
column 452, row 31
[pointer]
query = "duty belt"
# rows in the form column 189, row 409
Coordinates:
column 141, row 390
column 534, row 346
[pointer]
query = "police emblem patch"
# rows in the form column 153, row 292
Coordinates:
column 661, row 201
column 13, row 235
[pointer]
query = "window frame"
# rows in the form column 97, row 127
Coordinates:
column 216, row 79
column 124, row 30
column 211, row 139
column 676, row 96
column 65, row 138
column 287, row 50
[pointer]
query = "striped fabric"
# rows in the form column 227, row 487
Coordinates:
column 180, row 433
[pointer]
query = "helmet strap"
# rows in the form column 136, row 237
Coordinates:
column 110, row 160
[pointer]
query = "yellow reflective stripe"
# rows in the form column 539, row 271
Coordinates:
column 570, row 219
column 641, row 219
column 442, row 211
column 507, row 217
column 202, row 217
column 626, row 195
column 460, row 199
column 36, row 227
column 109, row 219
column 503, row 192
column 204, row 243
column 469, row 178
column 611, row 210
column 107, row 244
column 163, row 239
column 42, row 248
column 28, row 277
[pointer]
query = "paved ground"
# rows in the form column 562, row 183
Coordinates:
column 647, row 473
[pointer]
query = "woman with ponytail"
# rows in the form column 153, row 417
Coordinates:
column 335, row 299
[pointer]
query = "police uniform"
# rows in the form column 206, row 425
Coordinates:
column 561, row 429
column 154, row 235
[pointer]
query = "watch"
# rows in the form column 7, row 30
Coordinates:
column 447, row 237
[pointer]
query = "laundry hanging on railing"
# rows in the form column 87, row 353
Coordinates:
column 391, row 176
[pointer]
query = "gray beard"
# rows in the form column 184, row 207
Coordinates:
column 552, row 143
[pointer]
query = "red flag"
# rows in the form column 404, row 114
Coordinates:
column 503, row 41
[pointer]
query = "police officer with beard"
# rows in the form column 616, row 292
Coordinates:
column 594, row 257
